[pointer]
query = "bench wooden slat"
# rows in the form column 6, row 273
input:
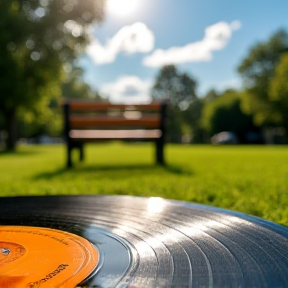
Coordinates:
column 152, row 121
column 75, row 105
column 115, row 134
column 87, row 121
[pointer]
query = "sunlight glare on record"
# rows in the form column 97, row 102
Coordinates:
column 121, row 7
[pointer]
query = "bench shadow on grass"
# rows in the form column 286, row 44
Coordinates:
column 18, row 152
column 117, row 171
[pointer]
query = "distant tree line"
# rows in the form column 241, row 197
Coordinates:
column 39, row 40
column 261, row 103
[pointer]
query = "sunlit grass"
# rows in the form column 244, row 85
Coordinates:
column 251, row 179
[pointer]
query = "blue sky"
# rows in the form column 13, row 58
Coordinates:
column 205, row 38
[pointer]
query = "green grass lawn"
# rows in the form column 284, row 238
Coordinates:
column 251, row 179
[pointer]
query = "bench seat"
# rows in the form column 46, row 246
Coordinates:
column 115, row 134
column 87, row 121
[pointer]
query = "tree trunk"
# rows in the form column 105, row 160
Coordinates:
column 10, row 117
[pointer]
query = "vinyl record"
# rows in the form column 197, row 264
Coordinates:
column 152, row 242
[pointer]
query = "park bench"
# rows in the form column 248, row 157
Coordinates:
column 86, row 121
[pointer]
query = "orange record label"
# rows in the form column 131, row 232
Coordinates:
column 32, row 257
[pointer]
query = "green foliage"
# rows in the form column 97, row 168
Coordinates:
column 224, row 114
column 250, row 179
column 192, row 117
column 279, row 90
column 37, row 37
column 73, row 87
column 40, row 120
column 257, row 70
column 180, row 90
column 174, row 124
column 211, row 95
column 46, row 116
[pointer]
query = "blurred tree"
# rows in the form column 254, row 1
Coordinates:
column 192, row 117
column 73, row 86
column 41, row 119
column 278, row 92
column 211, row 95
column 46, row 118
column 180, row 90
column 224, row 114
column 36, row 38
column 257, row 70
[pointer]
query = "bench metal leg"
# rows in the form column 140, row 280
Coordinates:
column 70, row 147
column 69, row 155
column 81, row 152
column 160, row 152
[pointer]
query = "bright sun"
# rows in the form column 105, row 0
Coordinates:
column 121, row 7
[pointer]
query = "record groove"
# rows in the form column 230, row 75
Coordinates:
column 151, row 242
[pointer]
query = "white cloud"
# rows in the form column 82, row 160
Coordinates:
column 235, row 25
column 127, row 89
column 129, row 39
column 216, row 38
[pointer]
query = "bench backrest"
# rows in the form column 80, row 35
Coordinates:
column 91, row 116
